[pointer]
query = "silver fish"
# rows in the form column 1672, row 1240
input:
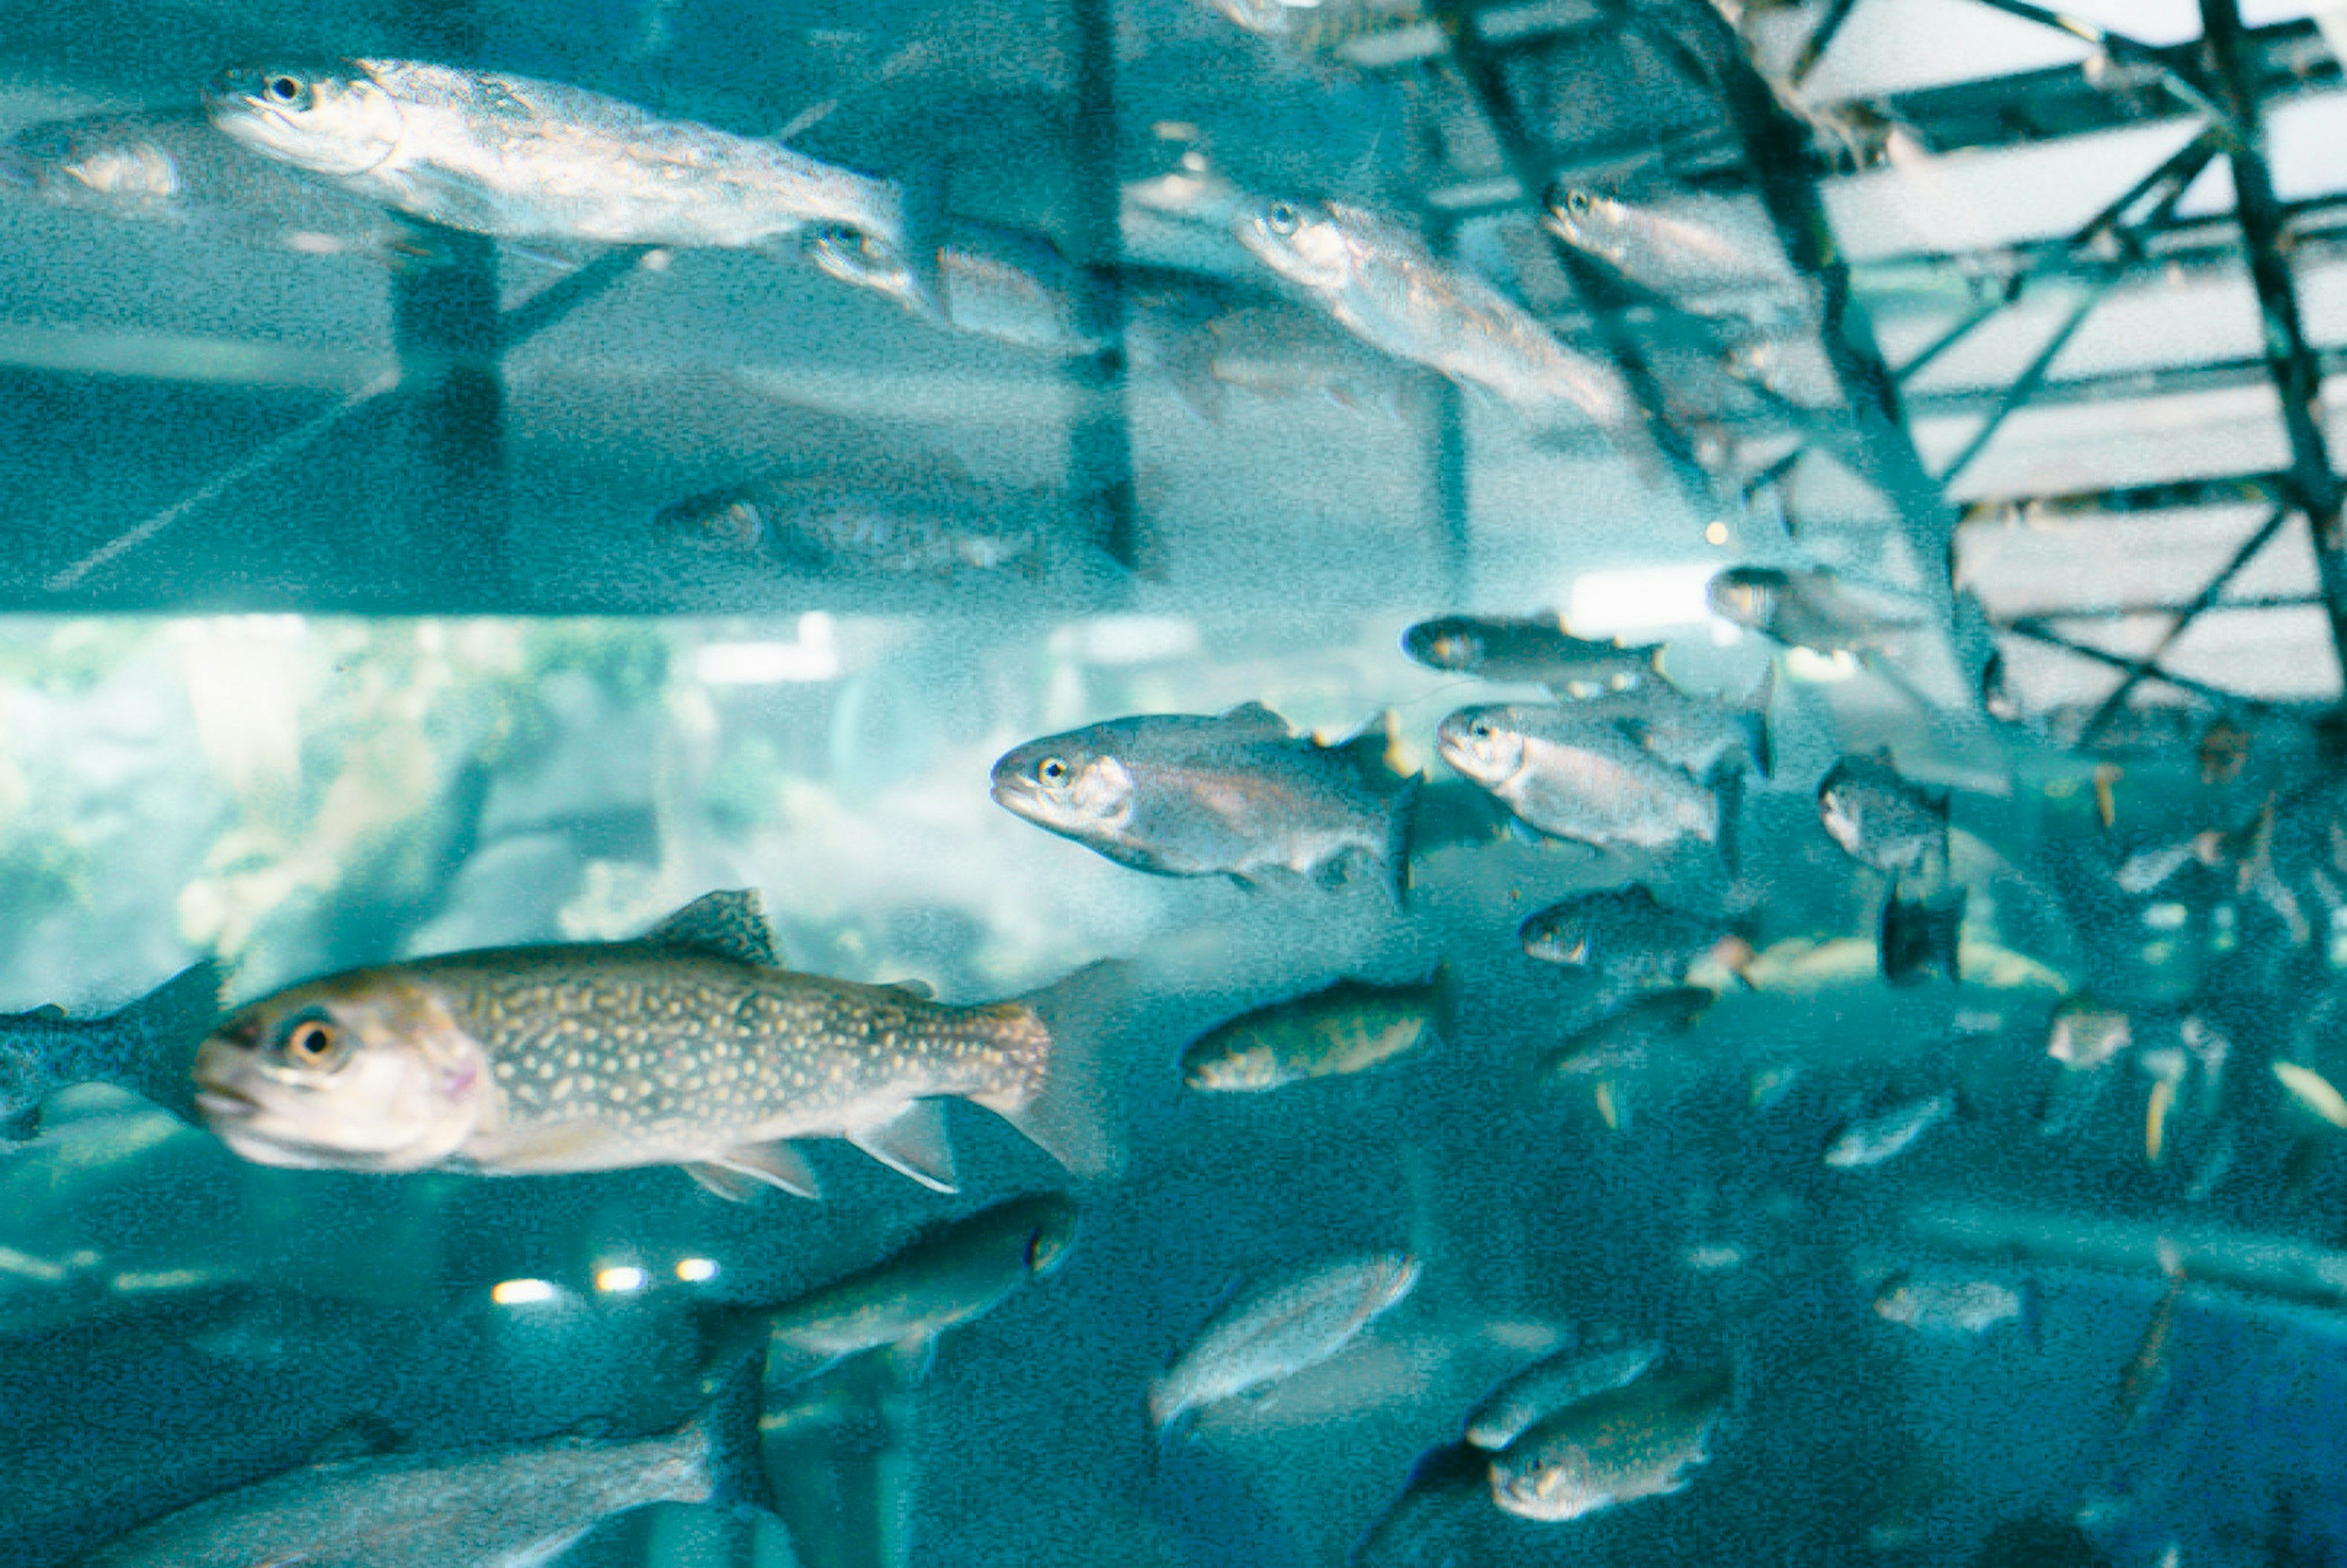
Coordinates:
column 1239, row 795
column 174, row 168
column 1529, row 648
column 494, row 1508
column 1874, row 1139
column 1581, row 782
column 1882, row 820
column 521, row 158
column 1277, row 1330
column 1945, row 1305
column 1805, row 609
column 1694, row 248
column 956, row 1272
column 145, row 1048
column 1381, row 284
column 1622, row 936
column 1635, row 1441
column 933, row 525
column 1695, row 734
column 687, row 1047
column 996, row 282
column 1623, row 1041
column 1548, row 1386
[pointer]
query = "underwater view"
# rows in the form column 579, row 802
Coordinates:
column 1163, row 783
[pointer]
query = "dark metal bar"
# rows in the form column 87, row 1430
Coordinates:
column 1100, row 435
column 2037, row 631
column 566, row 294
column 2181, row 79
column 2166, row 495
column 1482, row 69
column 446, row 326
column 2218, row 375
column 1820, row 39
column 1947, row 340
column 1452, row 500
column 2211, row 239
column 2024, row 387
column 2297, row 376
column 2148, row 664
column 2131, row 612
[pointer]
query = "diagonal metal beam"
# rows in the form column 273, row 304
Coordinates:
column 2182, row 79
column 2164, row 496
column 566, row 294
column 2036, row 631
column 2147, row 665
column 2025, row 385
column 1820, row 39
column 2297, row 377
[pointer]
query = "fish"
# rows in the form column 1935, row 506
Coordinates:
column 1922, row 938
column 1001, row 283
column 688, row 1046
column 936, row 525
column 486, row 1508
column 1804, row 609
column 145, row 1048
column 1871, row 1139
column 1551, row 1384
column 1379, row 281
column 1624, row 1039
column 174, row 168
column 1624, row 937
column 1948, row 1306
column 2312, row 1091
column 1238, row 794
column 520, row 159
column 1880, row 819
column 1296, row 1320
column 1698, row 735
column 1349, row 1027
column 1692, row 248
column 1532, row 648
column 2086, row 1034
column 1578, row 781
column 1635, row 1441
column 954, row 1273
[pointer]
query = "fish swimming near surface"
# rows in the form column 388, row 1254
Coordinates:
column 520, row 159
column 1805, row 609
column 954, row 1273
column 1530, row 648
column 1624, row 937
column 174, row 168
column 1551, row 1384
column 688, row 1046
column 1382, row 284
column 145, row 1048
column 937, row 525
column 1581, row 780
column 1238, row 794
column 1344, row 1028
column 489, row 1508
column 1277, row 1330
column 1637, row 1440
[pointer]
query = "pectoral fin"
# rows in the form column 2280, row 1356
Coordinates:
column 738, row 1174
column 912, row 1143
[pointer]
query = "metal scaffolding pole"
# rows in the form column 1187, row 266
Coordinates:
column 1100, row 433
column 2297, row 377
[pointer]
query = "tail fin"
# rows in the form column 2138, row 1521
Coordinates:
column 1755, row 724
column 1920, row 938
column 1073, row 1117
column 155, row 1038
column 1401, row 825
column 726, row 1434
column 1370, row 749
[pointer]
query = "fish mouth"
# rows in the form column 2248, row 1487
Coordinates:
column 227, row 1104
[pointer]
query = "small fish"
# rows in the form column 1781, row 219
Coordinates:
column 1347, row 1027
column 1380, row 282
column 956, row 1272
column 1536, row 648
column 1624, row 1039
column 1881, row 820
column 1238, row 795
column 936, row 525
column 1948, row 1306
column 1874, row 1139
column 1578, row 781
column 2312, row 1089
column 2085, row 1034
column 1803, row 609
column 175, row 169
column 1548, row 1386
column 688, row 1046
column 1637, row 1440
column 2144, row 1375
column 1697, row 735
column 1695, row 248
column 145, row 1048
column 1277, row 1330
column 1623, row 937
column 1000, row 283
column 520, row 158
column 1922, row 938
column 489, row 1508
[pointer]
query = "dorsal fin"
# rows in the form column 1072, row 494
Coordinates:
column 1254, row 720
column 729, row 924
column 921, row 990
column 912, row 1143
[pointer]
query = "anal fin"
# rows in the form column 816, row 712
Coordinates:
column 738, row 1174
column 912, row 1143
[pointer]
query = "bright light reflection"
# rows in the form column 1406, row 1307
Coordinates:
column 814, row 656
column 1807, row 664
column 621, row 1278
column 1639, row 599
column 694, row 1270
column 516, row 1292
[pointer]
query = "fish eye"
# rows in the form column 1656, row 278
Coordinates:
column 1282, row 218
column 1576, row 202
column 313, row 1042
column 286, row 89
column 1481, row 729
column 1052, row 770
